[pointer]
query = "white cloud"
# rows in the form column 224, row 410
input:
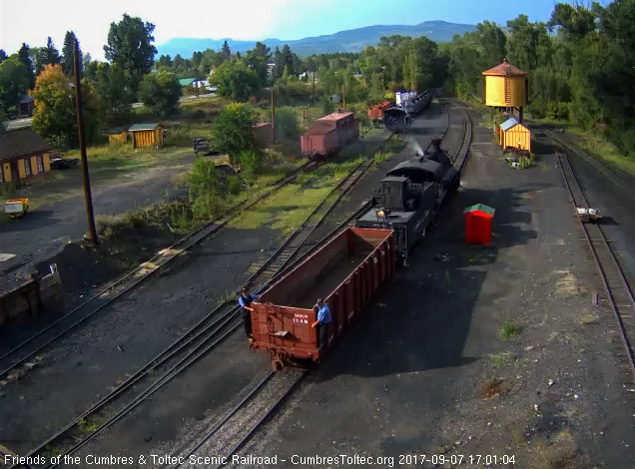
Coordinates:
column 34, row 21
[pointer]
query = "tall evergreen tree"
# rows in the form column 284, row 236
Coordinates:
column 25, row 58
column 67, row 53
column 50, row 55
column 226, row 51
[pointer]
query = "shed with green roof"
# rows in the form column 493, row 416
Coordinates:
column 147, row 135
column 117, row 135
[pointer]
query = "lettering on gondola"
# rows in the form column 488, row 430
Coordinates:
column 299, row 318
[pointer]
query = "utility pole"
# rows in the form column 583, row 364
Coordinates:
column 344, row 95
column 313, row 88
column 82, row 146
column 273, row 115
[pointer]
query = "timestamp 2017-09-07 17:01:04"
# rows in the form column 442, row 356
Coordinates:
column 458, row 459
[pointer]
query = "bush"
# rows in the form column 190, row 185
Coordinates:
column 250, row 164
column 204, row 190
column 234, row 184
column 327, row 105
column 233, row 130
column 287, row 127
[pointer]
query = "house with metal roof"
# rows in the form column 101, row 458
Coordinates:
column 23, row 154
column 147, row 135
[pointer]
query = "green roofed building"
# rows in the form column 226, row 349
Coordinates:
column 147, row 135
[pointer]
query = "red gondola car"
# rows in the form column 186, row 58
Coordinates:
column 346, row 273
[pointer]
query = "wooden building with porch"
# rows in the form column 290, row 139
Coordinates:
column 147, row 135
column 23, row 154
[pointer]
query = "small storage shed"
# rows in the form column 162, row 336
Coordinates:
column 478, row 224
column 118, row 135
column 147, row 135
column 262, row 132
column 515, row 135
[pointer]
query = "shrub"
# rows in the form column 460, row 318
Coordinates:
column 287, row 127
column 234, row 184
column 250, row 164
column 327, row 105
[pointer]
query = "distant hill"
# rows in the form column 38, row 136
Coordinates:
column 353, row 40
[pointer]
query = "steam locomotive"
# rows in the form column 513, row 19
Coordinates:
column 410, row 196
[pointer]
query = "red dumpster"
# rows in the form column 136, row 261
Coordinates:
column 478, row 224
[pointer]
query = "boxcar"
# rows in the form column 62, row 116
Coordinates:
column 330, row 134
column 346, row 273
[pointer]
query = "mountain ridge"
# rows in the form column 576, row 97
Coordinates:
column 352, row 40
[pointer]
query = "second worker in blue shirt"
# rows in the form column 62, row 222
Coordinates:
column 323, row 321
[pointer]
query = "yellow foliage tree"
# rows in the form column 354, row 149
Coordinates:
column 54, row 116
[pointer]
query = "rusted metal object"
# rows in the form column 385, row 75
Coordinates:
column 377, row 111
column 346, row 272
column 330, row 134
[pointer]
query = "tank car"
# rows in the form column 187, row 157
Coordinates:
column 409, row 198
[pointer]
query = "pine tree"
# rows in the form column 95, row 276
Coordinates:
column 226, row 51
column 25, row 58
column 67, row 54
column 50, row 55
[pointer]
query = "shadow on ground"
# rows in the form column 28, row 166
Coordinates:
column 421, row 320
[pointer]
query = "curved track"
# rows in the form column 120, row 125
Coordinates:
column 618, row 290
column 200, row 339
column 36, row 343
column 239, row 428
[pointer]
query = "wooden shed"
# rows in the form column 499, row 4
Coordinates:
column 515, row 135
column 118, row 135
column 147, row 135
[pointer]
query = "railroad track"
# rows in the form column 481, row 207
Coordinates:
column 464, row 149
column 36, row 343
column 618, row 290
column 236, row 427
column 199, row 340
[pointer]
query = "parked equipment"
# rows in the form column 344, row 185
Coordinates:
column 15, row 208
column 346, row 273
column 63, row 163
column 588, row 214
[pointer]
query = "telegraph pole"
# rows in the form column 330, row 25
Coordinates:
column 313, row 88
column 344, row 94
column 273, row 115
column 82, row 146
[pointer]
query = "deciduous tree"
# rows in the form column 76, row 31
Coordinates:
column 130, row 47
column 160, row 92
column 235, row 80
column 14, row 82
column 232, row 131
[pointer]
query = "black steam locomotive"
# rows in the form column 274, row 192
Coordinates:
column 410, row 196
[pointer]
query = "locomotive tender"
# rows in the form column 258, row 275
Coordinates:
column 410, row 196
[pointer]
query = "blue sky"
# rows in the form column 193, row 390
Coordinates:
column 239, row 19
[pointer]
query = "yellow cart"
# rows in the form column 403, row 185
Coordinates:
column 16, row 208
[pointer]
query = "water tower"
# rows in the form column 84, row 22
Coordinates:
column 506, row 88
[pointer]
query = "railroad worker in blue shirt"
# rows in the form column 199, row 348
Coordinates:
column 323, row 321
column 244, row 301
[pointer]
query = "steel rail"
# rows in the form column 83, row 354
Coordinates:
column 600, row 266
column 183, row 342
column 187, row 242
column 227, row 416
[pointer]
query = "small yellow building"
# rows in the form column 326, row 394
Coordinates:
column 147, row 135
column 23, row 154
column 118, row 135
column 515, row 135
column 505, row 86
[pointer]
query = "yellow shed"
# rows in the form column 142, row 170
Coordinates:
column 23, row 154
column 506, row 86
column 515, row 135
column 147, row 135
column 118, row 135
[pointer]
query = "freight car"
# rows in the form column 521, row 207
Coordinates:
column 410, row 196
column 376, row 112
column 346, row 273
column 399, row 118
column 329, row 134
